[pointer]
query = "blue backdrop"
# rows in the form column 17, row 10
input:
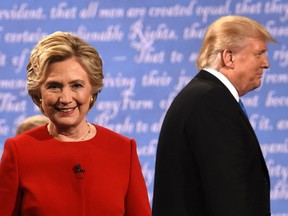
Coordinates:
column 149, row 50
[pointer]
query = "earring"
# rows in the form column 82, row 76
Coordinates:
column 91, row 102
column 40, row 106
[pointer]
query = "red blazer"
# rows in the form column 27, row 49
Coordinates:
column 39, row 176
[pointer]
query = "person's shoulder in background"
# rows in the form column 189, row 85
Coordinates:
column 31, row 122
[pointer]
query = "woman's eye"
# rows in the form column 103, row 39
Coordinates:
column 77, row 85
column 53, row 86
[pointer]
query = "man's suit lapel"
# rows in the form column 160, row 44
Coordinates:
column 209, row 77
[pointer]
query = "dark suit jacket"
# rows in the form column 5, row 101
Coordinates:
column 209, row 162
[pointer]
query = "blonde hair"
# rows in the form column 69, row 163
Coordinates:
column 31, row 122
column 60, row 46
column 228, row 32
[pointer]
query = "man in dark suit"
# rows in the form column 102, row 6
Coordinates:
column 209, row 161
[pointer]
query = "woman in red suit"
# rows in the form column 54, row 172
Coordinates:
column 69, row 166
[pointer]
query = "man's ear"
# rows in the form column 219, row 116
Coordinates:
column 228, row 58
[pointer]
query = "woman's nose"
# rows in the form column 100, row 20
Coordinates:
column 65, row 96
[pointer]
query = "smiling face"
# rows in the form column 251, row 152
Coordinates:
column 248, row 66
column 66, row 94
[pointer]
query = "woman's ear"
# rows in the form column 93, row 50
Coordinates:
column 93, row 100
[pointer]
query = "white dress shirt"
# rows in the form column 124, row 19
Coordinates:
column 225, row 81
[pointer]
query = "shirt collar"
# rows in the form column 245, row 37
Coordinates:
column 225, row 81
